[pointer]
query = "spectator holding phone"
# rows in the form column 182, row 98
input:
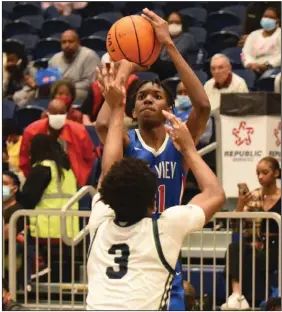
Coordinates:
column 267, row 198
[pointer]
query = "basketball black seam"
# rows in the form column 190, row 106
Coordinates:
column 120, row 46
column 139, row 54
column 152, row 49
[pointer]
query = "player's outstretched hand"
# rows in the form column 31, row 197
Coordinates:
column 113, row 89
column 160, row 26
column 179, row 133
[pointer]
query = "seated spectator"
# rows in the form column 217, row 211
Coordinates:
column 13, row 139
column 64, row 8
column 253, row 14
column 183, row 108
column 65, row 90
column 223, row 80
column 262, row 49
column 50, row 184
column 71, row 135
column 92, row 104
column 267, row 198
column 11, row 187
column 18, row 84
column 184, row 42
column 76, row 63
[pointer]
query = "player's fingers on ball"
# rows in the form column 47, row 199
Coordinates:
column 147, row 18
column 150, row 13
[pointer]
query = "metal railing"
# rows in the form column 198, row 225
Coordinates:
column 207, row 243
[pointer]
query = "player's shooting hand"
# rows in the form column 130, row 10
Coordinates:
column 133, row 67
column 179, row 133
column 113, row 89
column 160, row 26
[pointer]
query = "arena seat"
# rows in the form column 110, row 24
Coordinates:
column 28, row 40
column 94, row 43
column 266, row 80
column 18, row 27
column 46, row 47
column 200, row 35
column 248, row 75
column 8, row 109
column 53, row 26
column 28, row 115
column 194, row 16
column 221, row 40
column 237, row 29
column 234, row 55
column 93, row 135
column 220, row 19
column 100, row 33
column 12, row 45
column 26, row 8
column 7, row 8
column 91, row 24
column 94, row 8
column 132, row 7
column 238, row 10
column 173, row 6
column 74, row 20
column 40, row 103
column 110, row 16
column 35, row 20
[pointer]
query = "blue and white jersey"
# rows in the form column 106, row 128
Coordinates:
column 166, row 163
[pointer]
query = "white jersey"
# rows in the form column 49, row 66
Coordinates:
column 131, row 267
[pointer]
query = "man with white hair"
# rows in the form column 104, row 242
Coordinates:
column 223, row 80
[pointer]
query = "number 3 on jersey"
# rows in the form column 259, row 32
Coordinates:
column 121, row 260
column 161, row 207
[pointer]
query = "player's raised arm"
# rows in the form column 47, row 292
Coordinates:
column 113, row 89
column 199, row 115
column 212, row 196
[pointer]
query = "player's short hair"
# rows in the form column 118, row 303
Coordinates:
column 129, row 188
column 162, row 84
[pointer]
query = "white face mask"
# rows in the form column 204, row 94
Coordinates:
column 57, row 121
column 174, row 29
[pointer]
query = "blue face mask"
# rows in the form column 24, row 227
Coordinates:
column 6, row 192
column 183, row 102
column 268, row 23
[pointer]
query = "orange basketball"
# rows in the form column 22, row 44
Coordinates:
column 133, row 38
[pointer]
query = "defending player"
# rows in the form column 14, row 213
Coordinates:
column 150, row 141
column 131, row 256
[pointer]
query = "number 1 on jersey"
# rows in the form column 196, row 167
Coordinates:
column 161, row 190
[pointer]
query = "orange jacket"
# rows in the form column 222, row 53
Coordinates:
column 80, row 148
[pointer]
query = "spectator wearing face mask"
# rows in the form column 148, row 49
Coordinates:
column 184, row 42
column 64, row 90
column 223, row 80
column 72, row 136
column 183, row 107
column 262, row 49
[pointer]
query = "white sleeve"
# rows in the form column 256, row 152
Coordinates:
column 99, row 213
column 178, row 221
column 247, row 55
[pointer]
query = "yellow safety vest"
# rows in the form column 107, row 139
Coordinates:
column 56, row 195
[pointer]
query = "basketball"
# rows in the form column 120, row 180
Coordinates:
column 133, row 38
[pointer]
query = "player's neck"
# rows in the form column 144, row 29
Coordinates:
column 153, row 137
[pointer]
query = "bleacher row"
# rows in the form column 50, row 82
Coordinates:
column 215, row 27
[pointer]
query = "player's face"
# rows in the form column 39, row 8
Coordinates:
column 265, row 174
column 150, row 101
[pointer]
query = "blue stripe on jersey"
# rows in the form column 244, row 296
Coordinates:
column 166, row 163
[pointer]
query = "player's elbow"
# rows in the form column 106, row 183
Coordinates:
column 101, row 129
column 203, row 107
